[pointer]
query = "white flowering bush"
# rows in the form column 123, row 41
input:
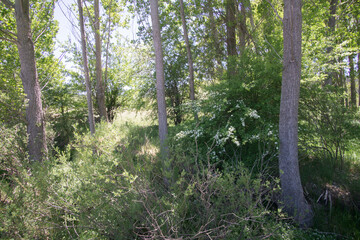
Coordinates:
column 227, row 131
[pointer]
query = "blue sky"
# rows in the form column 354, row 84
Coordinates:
column 68, row 24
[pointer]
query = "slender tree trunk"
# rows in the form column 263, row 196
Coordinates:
column 188, row 50
column 345, row 87
column 359, row 75
column 231, row 37
column 292, row 193
column 110, row 115
column 34, row 112
column 160, row 78
column 215, row 35
column 242, row 26
column 86, row 69
column 331, row 26
column 352, row 83
column 251, row 32
column 248, row 4
column 100, row 93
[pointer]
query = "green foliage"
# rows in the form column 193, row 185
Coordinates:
column 326, row 125
column 112, row 188
column 236, row 122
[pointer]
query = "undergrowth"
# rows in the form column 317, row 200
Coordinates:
column 110, row 186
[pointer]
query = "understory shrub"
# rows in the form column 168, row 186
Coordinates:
column 112, row 188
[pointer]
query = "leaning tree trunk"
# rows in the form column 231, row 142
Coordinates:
column 34, row 112
column 100, row 93
column 292, row 193
column 160, row 78
column 86, row 69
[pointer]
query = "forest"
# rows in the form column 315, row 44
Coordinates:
column 217, row 119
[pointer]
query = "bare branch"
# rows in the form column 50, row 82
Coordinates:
column 9, row 40
column 277, row 14
column 51, row 7
column 8, row 3
column 9, row 33
column 42, row 32
column 92, row 24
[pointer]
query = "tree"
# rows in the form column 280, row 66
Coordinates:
column 242, row 26
column 292, row 192
column 331, row 25
column 86, row 69
column 160, row 79
column 34, row 111
column 230, row 35
column 214, row 35
column 352, row 82
column 188, row 50
column 100, row 93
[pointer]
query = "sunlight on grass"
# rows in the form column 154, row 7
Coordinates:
column 141, row 118
column 149, row 149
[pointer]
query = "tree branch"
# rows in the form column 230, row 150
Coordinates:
column 9, row 36
column 8, row 3
column 92, row 24
column 42, row 32
column 51, row 7
column 8, row 33
column 277, row 14
column 9, row 40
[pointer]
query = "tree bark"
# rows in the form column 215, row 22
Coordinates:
column 292, row 193
column 100, row 93
column 359, row 76
column 215, row 35
column 242, row 26
column 331, row 26
column 344, row 85
column 231, row 36
column 352, row 83
column 188, row 50
column 160, row 78
column 34, row 112
column 109, row 111
column 86, row 69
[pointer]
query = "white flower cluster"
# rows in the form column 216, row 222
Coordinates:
column 241, row 102
column 189, row 133
column 217, row 107
column 230, row 134
column 254, row 114
column 242, row 122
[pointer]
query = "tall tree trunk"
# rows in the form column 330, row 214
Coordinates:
column 215, row 35
column 100, row 93
column 342, row 74
column 34, row 112
column 292, row 193
column 160, row 78
column 230, row 35
column 242, row 26
column 359, row 75
column 86, row 69
column 352, row 82
column 188, row 50
column 110, row 112
column 331, row 26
